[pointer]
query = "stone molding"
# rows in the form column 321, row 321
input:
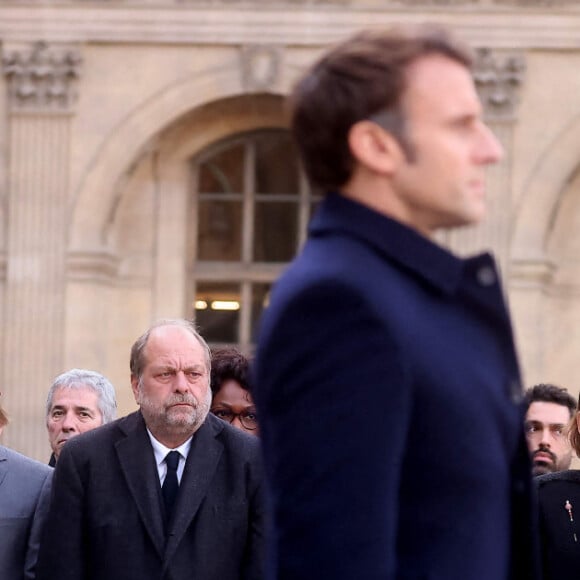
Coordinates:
column 98, row 266
column 42, row 78
column 309, row 3
column 532, row 273
column 260, row 67
column 498, row 79
column 313, row 25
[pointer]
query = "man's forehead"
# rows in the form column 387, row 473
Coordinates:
column 548, row 412
column 76, row 396
column 168, row 343
column 438, row 81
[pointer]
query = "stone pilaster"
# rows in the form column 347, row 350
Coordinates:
column 41, row 94
column 498, row 79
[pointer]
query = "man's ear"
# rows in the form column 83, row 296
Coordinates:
column 374, row 148
column 135, row 387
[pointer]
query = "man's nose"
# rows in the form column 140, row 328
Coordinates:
column 181, row 384
column 69, row 423
column 489, row 149
column 546, row 439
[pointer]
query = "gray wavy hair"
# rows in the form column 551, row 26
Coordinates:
column 82, row 378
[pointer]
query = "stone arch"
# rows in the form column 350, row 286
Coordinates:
column 540, row 201
column 95, row 200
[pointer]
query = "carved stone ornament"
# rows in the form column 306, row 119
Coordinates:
column 498, row 81
column 260, row 67
column 42, row 78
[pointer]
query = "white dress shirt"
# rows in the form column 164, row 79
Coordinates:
column 160, row 452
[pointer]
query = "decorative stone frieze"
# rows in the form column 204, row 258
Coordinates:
column 498, row 80
column 260, row 67
column 42, row 78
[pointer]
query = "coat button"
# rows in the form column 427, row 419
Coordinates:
column 486, row 276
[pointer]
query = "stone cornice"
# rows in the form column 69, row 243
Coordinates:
column 496, row 25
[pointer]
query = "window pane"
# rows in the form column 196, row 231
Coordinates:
column 220, row 230
column 276, row 231
column 217, row 311
column 260, row 296
column 276, row 164
column 223, row 172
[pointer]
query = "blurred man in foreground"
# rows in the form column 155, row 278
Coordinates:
column 387, row 383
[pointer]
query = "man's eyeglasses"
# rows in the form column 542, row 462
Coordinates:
column 248, row 418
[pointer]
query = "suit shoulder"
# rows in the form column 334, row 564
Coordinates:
column 26, row 466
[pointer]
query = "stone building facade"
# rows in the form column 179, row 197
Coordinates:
column 146, row 172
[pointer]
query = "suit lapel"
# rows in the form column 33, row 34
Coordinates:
column 138, row 466
column 3, row 463
column 202, row 461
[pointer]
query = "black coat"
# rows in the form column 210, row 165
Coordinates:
column 106, row 520
column 559, row 534
column 387, row 386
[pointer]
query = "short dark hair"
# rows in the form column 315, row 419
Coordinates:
column 359, row 78
column 229, row 363
column 549, row 393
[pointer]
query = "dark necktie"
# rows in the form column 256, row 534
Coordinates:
column 170, row 485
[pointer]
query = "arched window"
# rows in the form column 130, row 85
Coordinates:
column 250, row 208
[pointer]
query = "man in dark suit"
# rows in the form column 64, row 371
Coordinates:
column 168, row 492
column 386, row 378
column 24, row 495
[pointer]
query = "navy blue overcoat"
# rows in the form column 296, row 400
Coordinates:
column 390, row 406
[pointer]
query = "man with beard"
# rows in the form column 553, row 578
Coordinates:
column 168, row 492
column 550, row 409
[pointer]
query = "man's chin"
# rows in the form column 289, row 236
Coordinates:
column 183, row 418
column 541, row 469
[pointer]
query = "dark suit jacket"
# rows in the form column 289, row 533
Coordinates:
column 560, row 536
column 385, row 382
column 106, row 520
column 24, row 495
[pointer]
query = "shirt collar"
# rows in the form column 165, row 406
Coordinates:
column 160, row 451
column 400, row 243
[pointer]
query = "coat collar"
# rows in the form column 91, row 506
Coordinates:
column 568, row 475
column 401, row 244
